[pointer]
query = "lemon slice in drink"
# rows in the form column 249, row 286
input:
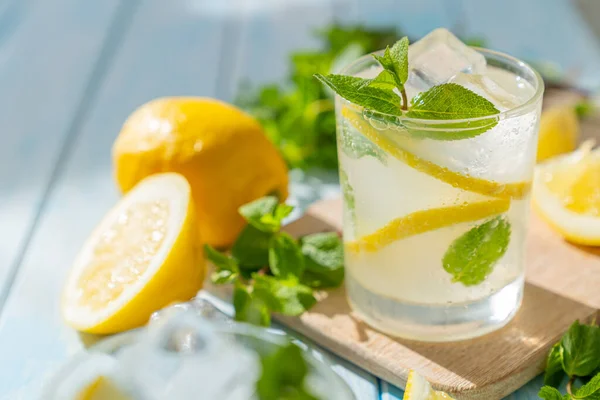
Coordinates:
column 102, row 389
column 417, row 388
column 427, row 220
column 516, row 190
column 567, row 194
column 144, row 255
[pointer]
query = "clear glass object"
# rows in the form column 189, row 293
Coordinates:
column 408, row 198
column 188, row 350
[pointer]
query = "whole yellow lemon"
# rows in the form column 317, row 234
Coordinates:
column 223, row 153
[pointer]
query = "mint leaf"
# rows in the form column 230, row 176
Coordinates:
column 590, row 390
column 251, row 248
column 288, row 297
column 283, row 375
column 581, row 352
column 358, row 91
column 395, row 60
column 356, row 146
column 550, row 393
column 400, row 57
column 471, row 257
column 385, row 80
column 261, row 213
column 250, row 308
column 220, row 260
column 450, row 101
column 324, row 255
column 285, row 257
column 259, row 207
column 223, row 276
column 554, row 373
column 347, row 190
column 273, row 221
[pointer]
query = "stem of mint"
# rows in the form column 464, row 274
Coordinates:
column 404, row 99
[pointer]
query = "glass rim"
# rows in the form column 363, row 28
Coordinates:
column 510, row 113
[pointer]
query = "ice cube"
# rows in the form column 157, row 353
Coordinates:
column 182, row 355
column 438, row 57
column 488, row 88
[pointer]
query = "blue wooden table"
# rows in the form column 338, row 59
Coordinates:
column 71, row 71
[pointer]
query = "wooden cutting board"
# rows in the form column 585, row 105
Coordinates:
column 562, row 286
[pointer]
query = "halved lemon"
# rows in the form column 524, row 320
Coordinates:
column 566, row 194
column 417, row 388
column 513, row 190
column 144, row 255
column 427, row 220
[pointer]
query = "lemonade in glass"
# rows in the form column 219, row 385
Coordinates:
column 436, row 194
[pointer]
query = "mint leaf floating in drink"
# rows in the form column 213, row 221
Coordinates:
column 450, row 101
column 554, row 374
column 356, row 146
column 471, row 257
column 324, row 255
column 581, row 349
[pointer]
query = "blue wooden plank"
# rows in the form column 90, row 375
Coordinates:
column 48, row 51
column 170, row 49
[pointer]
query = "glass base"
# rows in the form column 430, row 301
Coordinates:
column 433, row 323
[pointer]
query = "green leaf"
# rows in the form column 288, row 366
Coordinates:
column 358, row 91
column 283, row 375
column 324, row 255
column 259, row 213
column 581, row 352
column 287, row 297
column 388, row 64
column 550, row 393
column 285, row 257
column 223, row 276
column 450, row 101
column 220, row 260
column 590, row 390
column 356, row 146
column 385, row 80
column 399, row 54
column 273, row 221
column 251, row 248
column 471, row 257
column 554, row 373
column 249, row 308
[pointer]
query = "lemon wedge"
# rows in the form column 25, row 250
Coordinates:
column 513, row 190
column 102, row 389
column 417, row 388
column 427, row 220
column 144, row 255
column 559, row 132
column 567, row 194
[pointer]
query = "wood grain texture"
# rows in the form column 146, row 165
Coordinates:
column 489, row 367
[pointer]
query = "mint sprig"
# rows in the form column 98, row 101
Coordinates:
column 283, row 375
column 271, row 271
column 386, row 94
column 576, row 356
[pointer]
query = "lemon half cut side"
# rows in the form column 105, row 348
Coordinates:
column 144, row 255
